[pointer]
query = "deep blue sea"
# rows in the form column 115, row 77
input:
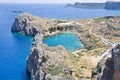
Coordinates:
column 14, row 48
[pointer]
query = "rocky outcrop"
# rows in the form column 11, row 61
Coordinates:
column 108, row 69
column 89, row 5
column 55, row 63
column 116, row 60
column 23, row 25
column 112, row 5
column 45, row 64
column 31, row 25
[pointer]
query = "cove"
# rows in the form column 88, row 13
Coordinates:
column 15, row 48
column 69, row 40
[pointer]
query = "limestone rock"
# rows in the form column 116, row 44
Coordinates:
column 112, row 5
column 45, row 64
column 23, row 25
column 109, row 69
column 31, row 25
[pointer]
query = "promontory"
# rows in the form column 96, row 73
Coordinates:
column 98, row 60
column 110, row 5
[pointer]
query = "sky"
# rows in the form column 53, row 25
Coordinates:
column 50, row 1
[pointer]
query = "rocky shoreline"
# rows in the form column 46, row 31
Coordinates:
column 42, row 60
column 55, row 63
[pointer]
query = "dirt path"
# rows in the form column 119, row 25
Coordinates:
column 105, row 41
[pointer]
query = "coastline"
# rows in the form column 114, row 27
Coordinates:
column 42, row 57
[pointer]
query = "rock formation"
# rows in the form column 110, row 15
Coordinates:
column 23, row 25
column 55, row 63
column 112, row 5
column 30, row 25
column 108, row 69
column 89, row 5
column 45, row 63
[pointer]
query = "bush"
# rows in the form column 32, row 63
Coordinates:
column 89, row 48
column 55, row 70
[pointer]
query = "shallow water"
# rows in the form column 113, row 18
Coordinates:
column 14, row 48
column 69, row 40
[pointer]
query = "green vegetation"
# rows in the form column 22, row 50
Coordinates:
column 84, row 67
column 56, row 70
column 53, row 29
column 89, row 48
column 101, row 19
column 59, row 28
column 80, row 54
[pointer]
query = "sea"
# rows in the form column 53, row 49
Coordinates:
column 14, row 47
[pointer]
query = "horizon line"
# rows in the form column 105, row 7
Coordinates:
column 45, row 3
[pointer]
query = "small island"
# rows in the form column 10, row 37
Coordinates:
column 100, row 37
column 16, row 11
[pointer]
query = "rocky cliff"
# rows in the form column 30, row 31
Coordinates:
column 112, row 5
column 23, row 25
column 108, row 5
column 55, row 63
column 108, row 69
column 89, row 5
column 45, row 64
column 28, row 24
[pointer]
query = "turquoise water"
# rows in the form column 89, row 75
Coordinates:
column 14, row 48
column 70, row 41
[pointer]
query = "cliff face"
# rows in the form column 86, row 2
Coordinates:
column 89, row 5
column 28, row 24
column 108, row 5
column 108, row 69
column 112, row 5
column 45, row 64
column 55, row 63
column 23, row 25
column 116, row 60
